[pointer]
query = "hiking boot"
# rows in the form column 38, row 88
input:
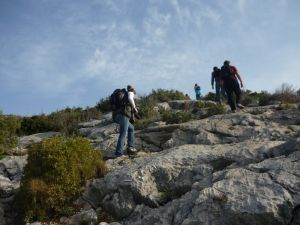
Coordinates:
column 240, row 106
column 233, row 111
column 131, row 150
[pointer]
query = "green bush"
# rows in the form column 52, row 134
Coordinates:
column 161, row 95
column 216, row 110
column 248, row 97
column 264, row 98
column 142, row 124
column 210, row 96
column 64, row 121
column 179, row 117
column 8, row 132
column 104, row 106
column 199, row 104
column 57, row 169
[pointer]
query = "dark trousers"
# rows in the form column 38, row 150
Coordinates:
column 232, row 87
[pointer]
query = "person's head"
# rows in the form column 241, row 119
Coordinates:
column 226, row 62
column 130, row 89
column 196, row 85
column 215, row 68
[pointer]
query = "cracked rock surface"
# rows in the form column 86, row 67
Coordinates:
column 238, row 168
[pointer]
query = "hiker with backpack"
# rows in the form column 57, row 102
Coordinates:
column 230, row 78
column 124, row 109
column 197, row 89
column 216, row 79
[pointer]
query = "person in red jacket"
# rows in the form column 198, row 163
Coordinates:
column 230, row 78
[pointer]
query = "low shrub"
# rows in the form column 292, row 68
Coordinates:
column 216, row 110
column 161, row 95
column 103, row 105
column 57, row 169
column 264, row 98
column 286, row 106
column 199, row 104
column 178, row 117
column 8, row 132
column 64, row 121
column 287, row 94
column 210, row 96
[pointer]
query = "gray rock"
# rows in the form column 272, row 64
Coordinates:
column 25, row 141
column 12, row 167
column 164, row 105
column 155, row 180
column 88, row 217
column 2, row 219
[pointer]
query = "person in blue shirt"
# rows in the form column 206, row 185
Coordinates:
column 197, row 89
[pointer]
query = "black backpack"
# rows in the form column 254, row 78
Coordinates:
column 118, row 98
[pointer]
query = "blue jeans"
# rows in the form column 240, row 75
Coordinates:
column 125, row 126
column 219, row 90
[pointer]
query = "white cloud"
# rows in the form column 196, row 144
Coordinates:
column 155, row 26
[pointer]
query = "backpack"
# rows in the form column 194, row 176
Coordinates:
column 118, row 98
column 227, row 72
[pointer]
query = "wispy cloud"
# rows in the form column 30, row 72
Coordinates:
column 84, row 50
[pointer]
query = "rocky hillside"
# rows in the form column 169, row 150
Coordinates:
column 241, row 168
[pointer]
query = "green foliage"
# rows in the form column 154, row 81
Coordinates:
column 57, row 168
column 210, row 96
column 179, row 117
column 161, row 95
column 103, row 105
column 248, row 97
column 64, row 121
column 199, row 104
column 146, row 106
column 216, row 110
column 8, row 132
column 264, row 98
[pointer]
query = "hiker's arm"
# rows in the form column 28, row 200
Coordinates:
column 131, row 101
column 239, row 77
column 212, row 80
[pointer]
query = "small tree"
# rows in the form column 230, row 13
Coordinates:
column 8, row 132
column 57, row 169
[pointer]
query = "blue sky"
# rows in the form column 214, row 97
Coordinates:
column 59, row 53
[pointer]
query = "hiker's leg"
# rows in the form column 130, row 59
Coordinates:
column 238, row 92
column 123, row 122
column 218, row 97
column 223, row 91
column 229, row 93
column 130, row 135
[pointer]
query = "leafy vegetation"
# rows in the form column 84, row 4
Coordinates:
column 103, row 105
column 162, row 95
column 216, row 110
column 8, row 132
column 175, row 117
column 57, row 169
column 64, row 121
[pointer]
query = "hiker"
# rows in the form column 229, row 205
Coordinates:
column 216, row 78
column 187, row 97
column 197, row 89
column 230, row 77
column 124, row 116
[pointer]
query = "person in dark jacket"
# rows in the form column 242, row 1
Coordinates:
column 230, row 78
column 216, row 79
